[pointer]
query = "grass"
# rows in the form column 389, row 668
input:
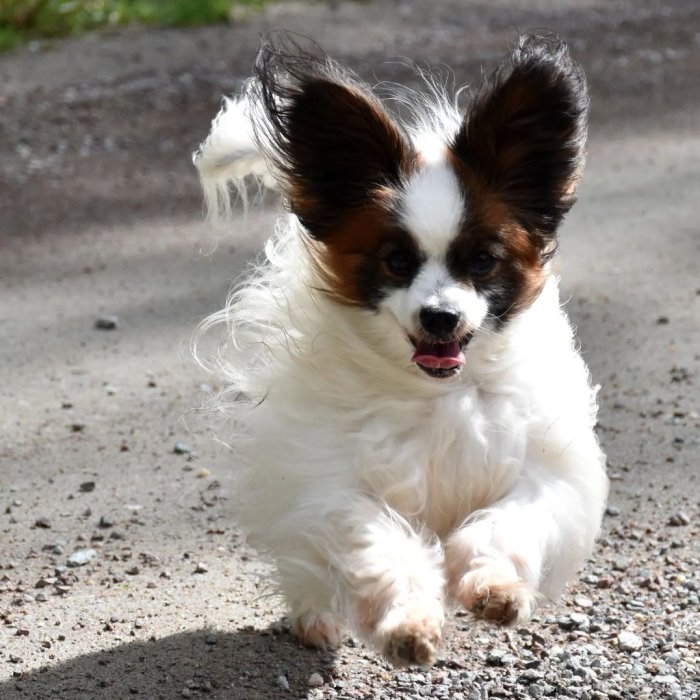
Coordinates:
column 22, row 20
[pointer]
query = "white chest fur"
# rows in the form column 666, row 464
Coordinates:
column 436, row 461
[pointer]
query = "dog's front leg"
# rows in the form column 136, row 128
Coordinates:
column 525, row 546
column 390, row 580
column 365, row 563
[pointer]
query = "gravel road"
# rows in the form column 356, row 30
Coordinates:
column 121, row 573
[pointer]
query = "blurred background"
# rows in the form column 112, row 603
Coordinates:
column 102, row 282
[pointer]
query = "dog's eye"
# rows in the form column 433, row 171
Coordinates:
column 482, row 263
column 400, row 262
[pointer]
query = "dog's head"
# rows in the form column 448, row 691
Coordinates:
column 445, row 229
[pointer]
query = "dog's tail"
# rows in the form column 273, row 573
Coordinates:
column 228, row 156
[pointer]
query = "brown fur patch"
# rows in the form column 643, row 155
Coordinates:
column 351, row 258
column 492, row 227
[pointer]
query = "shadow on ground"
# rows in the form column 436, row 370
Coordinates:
column 192, row 664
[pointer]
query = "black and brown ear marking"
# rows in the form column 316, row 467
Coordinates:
column 524, row 138
column 330, row 139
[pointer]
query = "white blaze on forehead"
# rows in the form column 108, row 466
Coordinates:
column 432, row 205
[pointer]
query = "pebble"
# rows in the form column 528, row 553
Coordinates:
column 628, row 641
column 612, row 511
column 499, row 657
column 105, row 522
column 679, row 519
column 43, row 523
column 581, row 621
column 315, row 680
column 182, row 448
column 665, row 679
column 81, row 557
column 282, row 682
column 87, row 487
column 106, row 323
column 201, row 568
column 583, row 601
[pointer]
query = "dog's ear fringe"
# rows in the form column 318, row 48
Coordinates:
column 242, row 143
column 229, row 158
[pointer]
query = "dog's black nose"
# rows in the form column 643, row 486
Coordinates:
column 440, row 323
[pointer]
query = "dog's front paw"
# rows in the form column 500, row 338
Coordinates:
column 320, row 630
column 410, row 635
column 496, row 593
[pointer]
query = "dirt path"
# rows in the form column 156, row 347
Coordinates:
column 99, row 216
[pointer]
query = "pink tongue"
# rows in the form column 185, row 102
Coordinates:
column 438, row 355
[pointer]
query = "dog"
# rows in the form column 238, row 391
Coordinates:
column 411, row 423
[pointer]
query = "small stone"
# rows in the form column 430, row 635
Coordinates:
column 612, row 511
column 15, row 659
column 201, row 568
column 105, row 522
column 499, row 657
column 106, row 323
column 186, row 693
column 22, row 632
column 45, row 581
column 139, row 623
column 583, row 601
column 628, row 641
column 41, row 597
column 282, row 682
column 315, row 680
column 203, row 473
column 133, row 571
column 210, row 639
column 666, row 679
column 81, row 557
column 662, row 321
column 580, row 621
column 77, row 427
column 679, row 519
column 43, row 523
column 182, row 448
column 87, row 487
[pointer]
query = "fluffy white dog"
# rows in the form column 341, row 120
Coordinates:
column 411, row 422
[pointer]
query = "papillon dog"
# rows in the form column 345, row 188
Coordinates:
column 411, row 423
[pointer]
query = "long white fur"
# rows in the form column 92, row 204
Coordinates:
column 363, row 477
column 227, row 156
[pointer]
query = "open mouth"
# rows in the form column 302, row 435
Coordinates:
column 440, row 359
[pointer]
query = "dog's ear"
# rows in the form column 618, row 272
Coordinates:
column 524, row 137
column 330, row 141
